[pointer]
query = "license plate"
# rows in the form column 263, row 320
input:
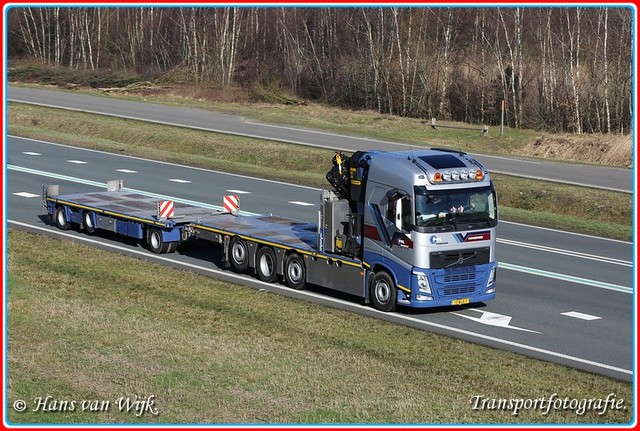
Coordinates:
column 461, row 301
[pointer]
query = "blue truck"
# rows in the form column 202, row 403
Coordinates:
column 412, row 228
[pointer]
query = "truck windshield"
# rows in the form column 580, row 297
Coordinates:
column 458, row 209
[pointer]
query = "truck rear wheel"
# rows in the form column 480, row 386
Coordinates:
column 60, row 218
column 239, row 254
column 266, row 265
column 88, row 222
column 294, row 272
column 383, row 292
column 156, row 243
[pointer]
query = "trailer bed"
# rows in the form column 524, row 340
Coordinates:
column 143, row 209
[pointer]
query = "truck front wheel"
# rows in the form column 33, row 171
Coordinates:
column 383, row 292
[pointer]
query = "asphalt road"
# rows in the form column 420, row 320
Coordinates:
column 561, row 297
column 617, row 179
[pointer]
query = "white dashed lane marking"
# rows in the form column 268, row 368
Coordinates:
column 26, row 195
column 127, row 171
column 304, row 204
column 239, row 192
column 178, row 180
column 31, row 153
column 78, row 162
column 582, row 316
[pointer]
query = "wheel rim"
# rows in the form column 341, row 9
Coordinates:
column 88, row 220
column 266, row 265
column 61, row 218
column 155, row 240
column 294, row 270
column 239, row 253
column 382, row 292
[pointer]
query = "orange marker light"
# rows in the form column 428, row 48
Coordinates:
column 479, row 175
column 437, row 177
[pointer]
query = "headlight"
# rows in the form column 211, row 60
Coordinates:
column 423, row 283
column 492, row 277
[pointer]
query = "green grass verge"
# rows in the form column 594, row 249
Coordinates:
column 214, row 352
column 566, row 207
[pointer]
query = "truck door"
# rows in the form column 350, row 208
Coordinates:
column 399, row 224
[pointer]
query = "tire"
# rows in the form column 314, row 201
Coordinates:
column 173, row 246
column 155, row 242
column 239, row 254
column 294, row 272
column 266, row 265
column 88, row 222
column 383, row 292
column 60, row 219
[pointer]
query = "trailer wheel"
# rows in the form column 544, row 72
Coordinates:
column 294, row 272
column 383, row 292
column 60, row 218
column 88, row 222
column 266, row 265
column 239, row 254
column 155, row 242
column 173, row 246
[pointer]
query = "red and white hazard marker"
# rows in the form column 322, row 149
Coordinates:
column 165, row 209
column 231, row 204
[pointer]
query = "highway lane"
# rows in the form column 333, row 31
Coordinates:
column 594, row 176
column 529, row 307
column 209, row 187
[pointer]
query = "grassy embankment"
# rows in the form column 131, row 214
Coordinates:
column 571, row 208
column 214, row 352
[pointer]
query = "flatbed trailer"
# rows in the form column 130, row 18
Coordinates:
column 414, row 228
column 274, row 246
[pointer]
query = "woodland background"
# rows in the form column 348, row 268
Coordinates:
column 564, row 69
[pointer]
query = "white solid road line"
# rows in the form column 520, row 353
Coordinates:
column 346, row 304
column 564, row 252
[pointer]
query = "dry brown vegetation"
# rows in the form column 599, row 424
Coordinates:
column 612, row 150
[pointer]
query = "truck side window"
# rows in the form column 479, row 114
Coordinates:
column 399, row 213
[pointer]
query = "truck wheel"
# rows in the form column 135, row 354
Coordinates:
column 155, row 242
column 266, row 265
column 294, row 272
column 60, row 218
column 239, row 254
column 383, row 292
column 88, row 222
